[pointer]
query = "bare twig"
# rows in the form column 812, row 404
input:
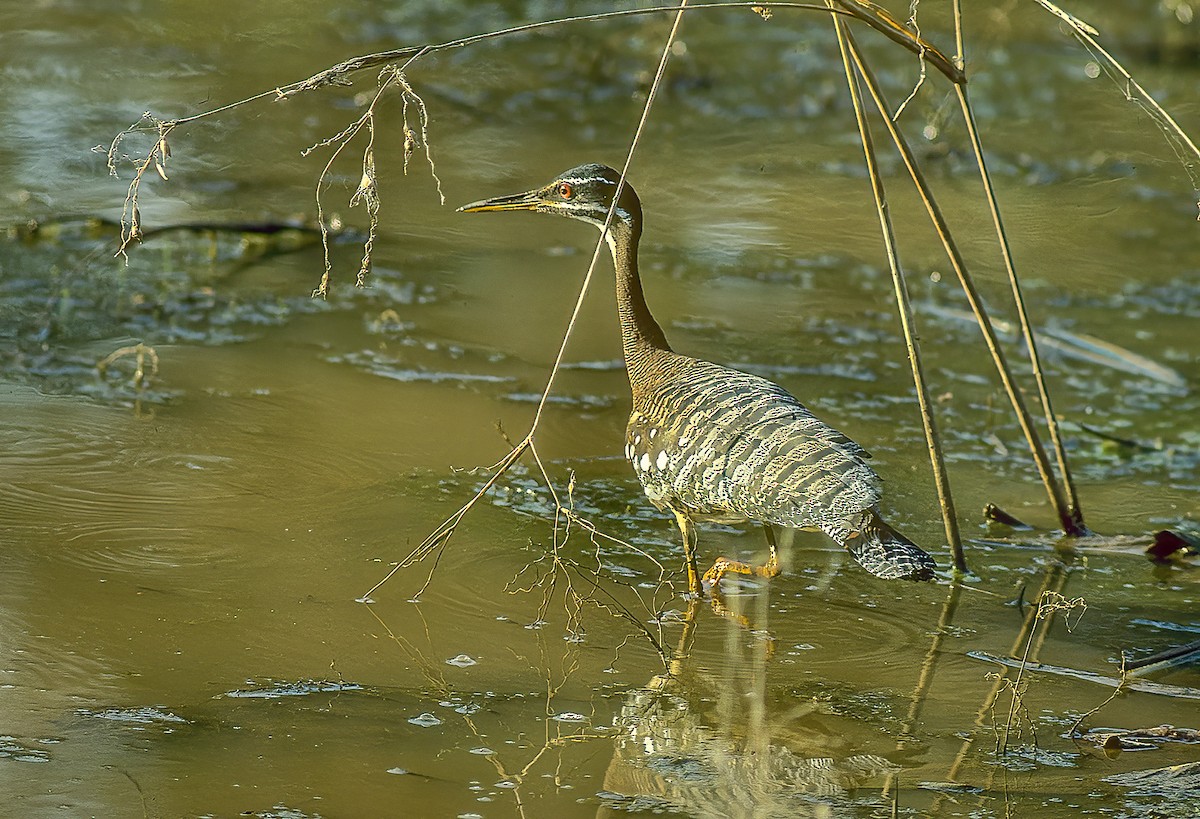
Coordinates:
column 156, row 157
column 367, row 192
column 338, row 75
column 141, row 354
column 1048, row 605
column 1181, row 143
column 437, row 540
column 916, row 29
column 1073, row 731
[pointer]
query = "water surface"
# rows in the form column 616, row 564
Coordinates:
column 181, row 631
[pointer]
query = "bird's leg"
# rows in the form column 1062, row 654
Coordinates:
column 724, row 565
column 688, row 530
column 771, row 567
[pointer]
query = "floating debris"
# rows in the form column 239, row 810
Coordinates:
column 425, row 720
column 146, row 715
column 569, row 716
column 462, row 661
column 1177, row 781
column 1169, row 545
column 995, row 514
column 296, row 689
column 1077, row 346
column 12, row 748
column 1140, row 739
column 1177, row 691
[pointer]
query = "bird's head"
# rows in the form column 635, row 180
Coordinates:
column 584, row 193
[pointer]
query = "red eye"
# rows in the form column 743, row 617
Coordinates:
column 565, row 190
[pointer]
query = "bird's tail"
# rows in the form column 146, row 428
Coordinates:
column 886, row 553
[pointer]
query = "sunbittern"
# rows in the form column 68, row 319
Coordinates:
column 713, row 444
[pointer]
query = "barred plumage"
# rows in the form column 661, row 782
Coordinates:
column 713, row 444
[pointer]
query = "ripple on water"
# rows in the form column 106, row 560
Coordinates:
column 87, row 485
column 848, row 632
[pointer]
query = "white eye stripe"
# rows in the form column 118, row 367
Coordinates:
column 579, row 180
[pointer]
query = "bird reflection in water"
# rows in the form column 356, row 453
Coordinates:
column 703, row 742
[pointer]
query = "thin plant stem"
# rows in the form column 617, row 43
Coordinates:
column 1073, row 508
column 600, row 243
column 960, row 58
column 904, row 307
column 1042, row 462
column 440, row 537
column 1133, row 90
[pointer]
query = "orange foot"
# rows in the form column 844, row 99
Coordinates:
column 724, row 565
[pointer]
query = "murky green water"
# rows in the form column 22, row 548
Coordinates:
column 179, row 626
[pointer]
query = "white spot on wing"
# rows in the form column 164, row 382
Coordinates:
column 644, row 463
column 663, row 458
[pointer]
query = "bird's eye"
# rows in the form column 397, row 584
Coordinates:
column 565, row 190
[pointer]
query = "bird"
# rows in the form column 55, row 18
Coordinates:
column 713, row 444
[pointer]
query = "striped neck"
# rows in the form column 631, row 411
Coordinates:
column 641, row 335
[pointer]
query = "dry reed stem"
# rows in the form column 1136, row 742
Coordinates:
column 1073, row 510
column 1045, row 471
column 904, row 308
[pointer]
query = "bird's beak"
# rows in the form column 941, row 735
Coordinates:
column 517, row 201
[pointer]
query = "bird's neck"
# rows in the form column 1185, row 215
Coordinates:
column 642, row 339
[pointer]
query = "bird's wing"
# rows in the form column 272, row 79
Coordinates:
column 744, row 445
